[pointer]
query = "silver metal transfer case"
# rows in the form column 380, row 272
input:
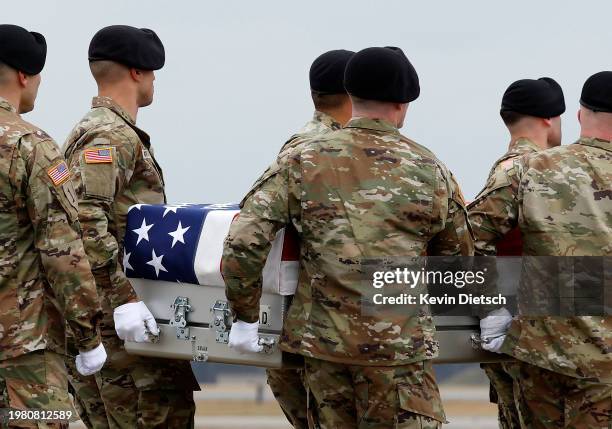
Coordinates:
column 195, row 320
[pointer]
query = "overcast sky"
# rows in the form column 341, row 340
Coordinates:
column 235, row 84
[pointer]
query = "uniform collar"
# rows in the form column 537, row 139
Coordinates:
column 7, row 106
column 373, row 124
column 595, row 142
column 523, row 144
column 109, row 103
column 326, row 120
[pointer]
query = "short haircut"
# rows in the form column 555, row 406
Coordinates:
column 327, row 101
column 511, row 118
column 107, row 71
column 5, row 69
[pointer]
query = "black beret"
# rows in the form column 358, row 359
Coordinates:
column 382, row 74
column 542, row 98
column 597, row 92
column 139, row 48
column 21, row 49
column 327, row 72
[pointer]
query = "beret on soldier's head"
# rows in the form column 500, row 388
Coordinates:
column 139, row 48
column 597, row 92
column 382, row 74
column 542, row 98
column 327, row 72
column 22, row 50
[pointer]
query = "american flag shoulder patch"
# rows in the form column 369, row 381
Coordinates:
column 98, row 155
column 59, row 174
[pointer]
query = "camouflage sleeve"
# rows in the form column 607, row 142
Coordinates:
column 265, row 210
column 494, row 212
column 455, row 235
column 97, row 185
column 52, row 207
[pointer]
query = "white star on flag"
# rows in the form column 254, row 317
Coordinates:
column 135, row 206
column 169, row 209
column 178, row 234
column 126, row 262
column 143, row 231
column 156, row 263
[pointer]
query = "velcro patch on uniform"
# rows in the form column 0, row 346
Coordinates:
column 507, row 164
column 59, row 174
column 99, row 155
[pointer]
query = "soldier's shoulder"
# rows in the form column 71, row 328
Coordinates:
column 102, row 127
column 27, row 136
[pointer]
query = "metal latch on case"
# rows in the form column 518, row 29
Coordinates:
column 179, row 318
column 221, row 321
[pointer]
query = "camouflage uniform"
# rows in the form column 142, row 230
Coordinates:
column 287, row 385
column 502, row 390
column 45, row 279
column 560, row 199
column 136, row 391
column 358, row 193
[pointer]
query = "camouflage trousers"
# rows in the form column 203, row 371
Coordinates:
column 547, row 400
column 287, row 385
column 502, row 394
column 133, row 391
column 127, row 392
column 344, row 396
column 35, row 381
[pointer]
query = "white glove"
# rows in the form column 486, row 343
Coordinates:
column 243, row 337
column 493, row 329
column 134, row 322
column 88, row 363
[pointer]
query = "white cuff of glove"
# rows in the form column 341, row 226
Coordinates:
column 244, row 338
column 88, row 363
column 134, row 322
column 493, row 329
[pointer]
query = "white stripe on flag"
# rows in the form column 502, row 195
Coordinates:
column 210, row 247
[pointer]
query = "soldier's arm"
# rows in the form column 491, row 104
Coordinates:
column 494, row 212
column 265, row 210
column 97, row 185
column 455, row 236
column 52, row 209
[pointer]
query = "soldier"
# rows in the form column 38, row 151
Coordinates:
column 45, row 278
column 332, row 110
column 354, row 194
column 560, row 200
column 114, row 167
column 531, row 110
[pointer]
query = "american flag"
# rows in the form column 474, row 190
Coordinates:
column 59, row 173
column 184, row 243
column 99, row 155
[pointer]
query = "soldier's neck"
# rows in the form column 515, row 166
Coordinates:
column 12, row 97
column 125, row 100
column 538, row 139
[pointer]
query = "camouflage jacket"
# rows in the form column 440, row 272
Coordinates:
column 512, row 242
column 44, row 275
column 358, row 193
column 561, row 199
column 319, row 124
column 114, row 168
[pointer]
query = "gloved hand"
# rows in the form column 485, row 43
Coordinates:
column 88, row 363
column 243, row 337
column 132, row 320
column 493, row 329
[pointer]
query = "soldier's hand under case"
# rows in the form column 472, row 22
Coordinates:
column 88, row 363
column 134, row 322
column 493, row 329
column 243, row 337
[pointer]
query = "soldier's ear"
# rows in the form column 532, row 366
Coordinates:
column 578, row 115
column 22, row 78
column 136, row 74
column 547, row 121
